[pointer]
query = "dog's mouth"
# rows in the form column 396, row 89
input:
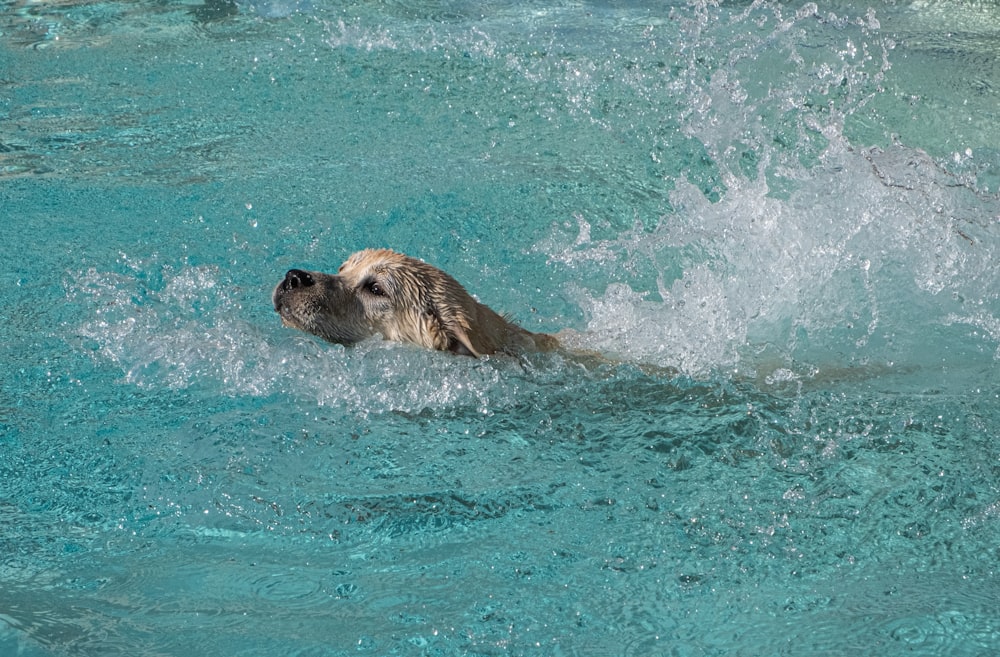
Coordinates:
column 287, row 314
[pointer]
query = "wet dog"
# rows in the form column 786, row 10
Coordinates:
column 378, row 291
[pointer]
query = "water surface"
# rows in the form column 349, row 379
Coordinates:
column 778, row 222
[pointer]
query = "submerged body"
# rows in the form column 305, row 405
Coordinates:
column 379, row 291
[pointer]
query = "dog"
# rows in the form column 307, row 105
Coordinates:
column 382, row 292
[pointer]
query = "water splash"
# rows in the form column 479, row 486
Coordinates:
column 811, row 248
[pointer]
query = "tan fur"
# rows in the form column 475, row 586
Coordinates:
column 378, row 291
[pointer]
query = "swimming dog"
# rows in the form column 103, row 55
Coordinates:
column 379, row 291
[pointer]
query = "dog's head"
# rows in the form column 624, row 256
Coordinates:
column 380, row 292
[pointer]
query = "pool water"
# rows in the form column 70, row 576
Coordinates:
column 779, row 223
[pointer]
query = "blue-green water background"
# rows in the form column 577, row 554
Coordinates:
column 794, row 206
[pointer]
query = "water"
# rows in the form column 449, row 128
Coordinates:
column 780, row 223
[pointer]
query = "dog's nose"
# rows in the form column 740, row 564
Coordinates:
column 296, row 278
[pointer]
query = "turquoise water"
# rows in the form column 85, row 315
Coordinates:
column 781, row 224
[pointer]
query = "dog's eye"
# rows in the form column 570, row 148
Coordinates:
column 375, row 289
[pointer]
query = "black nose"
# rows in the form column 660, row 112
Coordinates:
column 296, row 278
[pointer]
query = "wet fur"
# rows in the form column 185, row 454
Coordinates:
column 378, row 291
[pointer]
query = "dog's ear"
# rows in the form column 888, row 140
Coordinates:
column 459, row 343
column 450, row 308
column 447, row 320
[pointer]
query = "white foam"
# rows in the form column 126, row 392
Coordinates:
column 867, row 241
column 823, row 250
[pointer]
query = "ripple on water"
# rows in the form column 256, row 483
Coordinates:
column 293, row 588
